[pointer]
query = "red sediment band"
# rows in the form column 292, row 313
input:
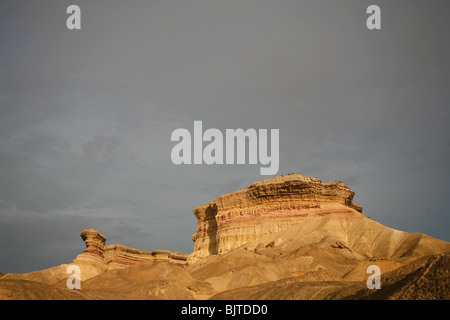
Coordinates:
column 122, row 261
column 94, row 251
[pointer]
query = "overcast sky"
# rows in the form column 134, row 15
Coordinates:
column 86, row 115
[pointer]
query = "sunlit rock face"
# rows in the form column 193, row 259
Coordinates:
column 99, row 257
column 266, row 207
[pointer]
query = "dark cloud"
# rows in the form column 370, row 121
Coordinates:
column 86, row 116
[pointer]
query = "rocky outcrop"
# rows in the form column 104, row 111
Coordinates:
column 266, row 207
column 99, row 257
column 92, row 260
column 118, row 256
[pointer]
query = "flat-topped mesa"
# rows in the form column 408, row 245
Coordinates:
column 266, row 207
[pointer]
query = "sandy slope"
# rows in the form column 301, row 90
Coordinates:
column 423, row 279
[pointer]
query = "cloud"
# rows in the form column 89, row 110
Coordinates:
column 86, row 117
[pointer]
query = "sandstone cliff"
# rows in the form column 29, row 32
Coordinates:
column 98, row 257
column 266, row 207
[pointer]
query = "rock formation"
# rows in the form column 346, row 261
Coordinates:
column 266, row 207
column 289, row 237
column 92, row 260
column 98, row 257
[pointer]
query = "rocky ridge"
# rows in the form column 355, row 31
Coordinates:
column 117, row 256
column 98, row 258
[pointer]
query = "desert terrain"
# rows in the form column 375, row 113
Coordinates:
column 292, row 237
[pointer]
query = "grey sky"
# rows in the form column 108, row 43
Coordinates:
column 86, row 116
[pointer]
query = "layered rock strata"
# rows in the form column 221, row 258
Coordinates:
column 98, row 257
column 266, row 207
